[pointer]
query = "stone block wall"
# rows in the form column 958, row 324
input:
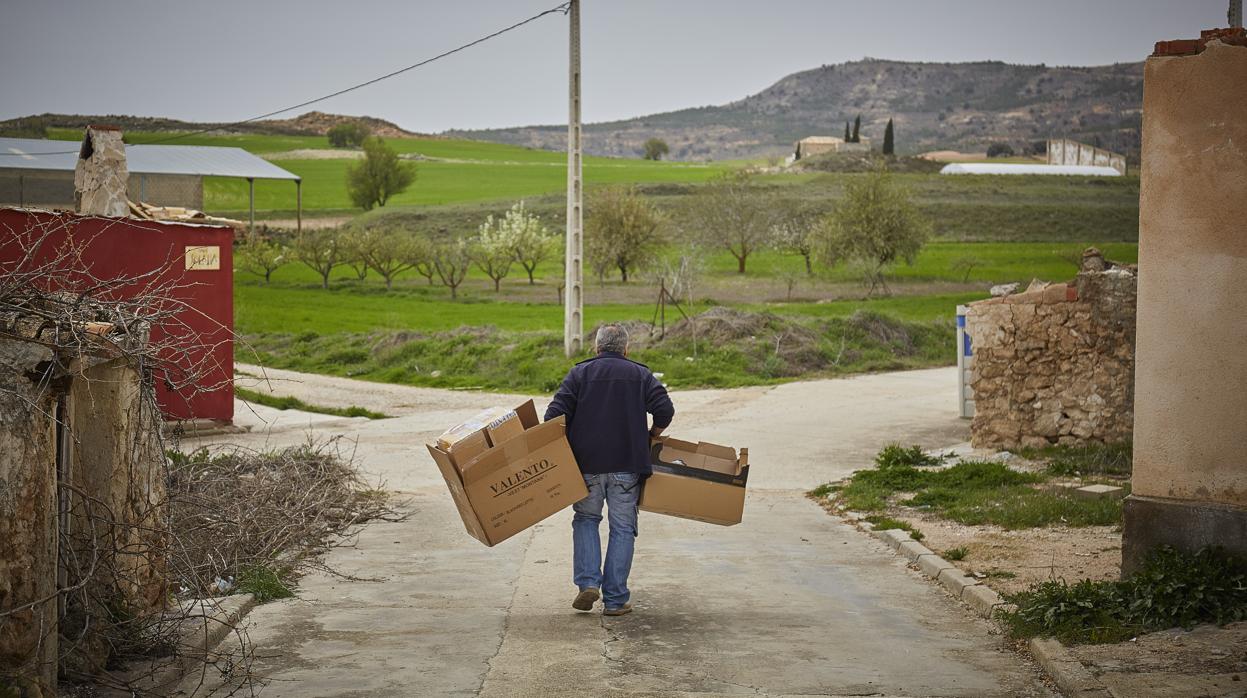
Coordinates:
column 1055, row 364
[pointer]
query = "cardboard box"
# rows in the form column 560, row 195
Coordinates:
column 699, row 481
column 509, row 486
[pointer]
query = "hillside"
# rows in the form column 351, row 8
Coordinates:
column 313, row 123
column 963, row 106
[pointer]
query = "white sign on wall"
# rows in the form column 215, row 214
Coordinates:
column 203, row 257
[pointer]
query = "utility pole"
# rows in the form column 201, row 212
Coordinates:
column 573, row 309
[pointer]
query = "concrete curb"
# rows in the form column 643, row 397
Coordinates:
column 208, row 623
column 205, row 633
column 1074, row 680
column 982, row 600
column 1071, row 677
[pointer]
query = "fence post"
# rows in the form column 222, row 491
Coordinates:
column 965, row 365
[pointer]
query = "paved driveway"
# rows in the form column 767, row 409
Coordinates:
column 789, row 602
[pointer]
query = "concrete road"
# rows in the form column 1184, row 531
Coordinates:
column 791, row 602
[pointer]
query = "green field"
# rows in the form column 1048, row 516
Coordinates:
column 441, row 182
column 295, row 303
column 459, row 171
column 987, row 230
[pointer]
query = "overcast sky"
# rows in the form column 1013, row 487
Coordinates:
column 225, row 60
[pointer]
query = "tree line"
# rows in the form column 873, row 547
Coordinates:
column 873, row 227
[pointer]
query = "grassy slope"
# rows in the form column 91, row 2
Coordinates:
column 475, row 171
column 968, row 208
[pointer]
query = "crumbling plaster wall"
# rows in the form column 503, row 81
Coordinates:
column 117, row 461
column 28, row 510
column 1055, row 364
column 114, row 493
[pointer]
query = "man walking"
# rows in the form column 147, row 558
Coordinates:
column 605, row 400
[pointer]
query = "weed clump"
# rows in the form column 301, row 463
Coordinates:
column 885, row 523
column 1090, row 459
column 824, row 490
column 894, row 455
column 263, row 582
column 1173, row 589
column 956, row 554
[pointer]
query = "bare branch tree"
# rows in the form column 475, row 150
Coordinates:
column 732, row 213
column 320, row 251
column 452, row 260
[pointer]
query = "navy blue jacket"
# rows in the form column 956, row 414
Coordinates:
column 605, row 400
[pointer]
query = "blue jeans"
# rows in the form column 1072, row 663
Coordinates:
column 620, row 492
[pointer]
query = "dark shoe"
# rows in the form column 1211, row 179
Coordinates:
column 585, row 599
column 621, row 611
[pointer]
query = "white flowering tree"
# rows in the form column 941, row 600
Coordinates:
column 261, row 257
column 530, row 242
column 492, row 251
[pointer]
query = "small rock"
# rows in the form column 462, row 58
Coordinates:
column 435, row 374
column 1004, row 289
column 1093, row 260
column 1100, row 492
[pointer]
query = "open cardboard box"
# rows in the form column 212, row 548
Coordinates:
column 503, row 488
column 699, row 481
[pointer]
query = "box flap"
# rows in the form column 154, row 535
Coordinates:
column 445, row 464
column 717, row 451
column 527, row 413
column 483, row 465
column 467, row 448
column 505, row 430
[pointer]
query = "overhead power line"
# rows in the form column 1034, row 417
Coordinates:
column 563, row 8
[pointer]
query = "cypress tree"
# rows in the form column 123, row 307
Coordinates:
column 847, row 137
column 857, row 129
column 888, row 145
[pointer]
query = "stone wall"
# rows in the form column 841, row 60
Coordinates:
column 1055, row 364
column 83, row 518
column 28, row 510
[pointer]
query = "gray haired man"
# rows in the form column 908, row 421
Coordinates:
column 606, row 400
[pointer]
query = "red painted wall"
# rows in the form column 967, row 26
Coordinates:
column 121, row 247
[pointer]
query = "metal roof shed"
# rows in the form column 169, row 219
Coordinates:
column 141, row 159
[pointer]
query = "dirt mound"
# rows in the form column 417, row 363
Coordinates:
column 884, row 330
column 778, row 346
column 640, row 333
column 721, row 324
column 311, row 123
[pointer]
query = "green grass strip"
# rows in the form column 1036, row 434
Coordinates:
column 294, row 403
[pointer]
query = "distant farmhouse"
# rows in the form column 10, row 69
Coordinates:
column 817, row 145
